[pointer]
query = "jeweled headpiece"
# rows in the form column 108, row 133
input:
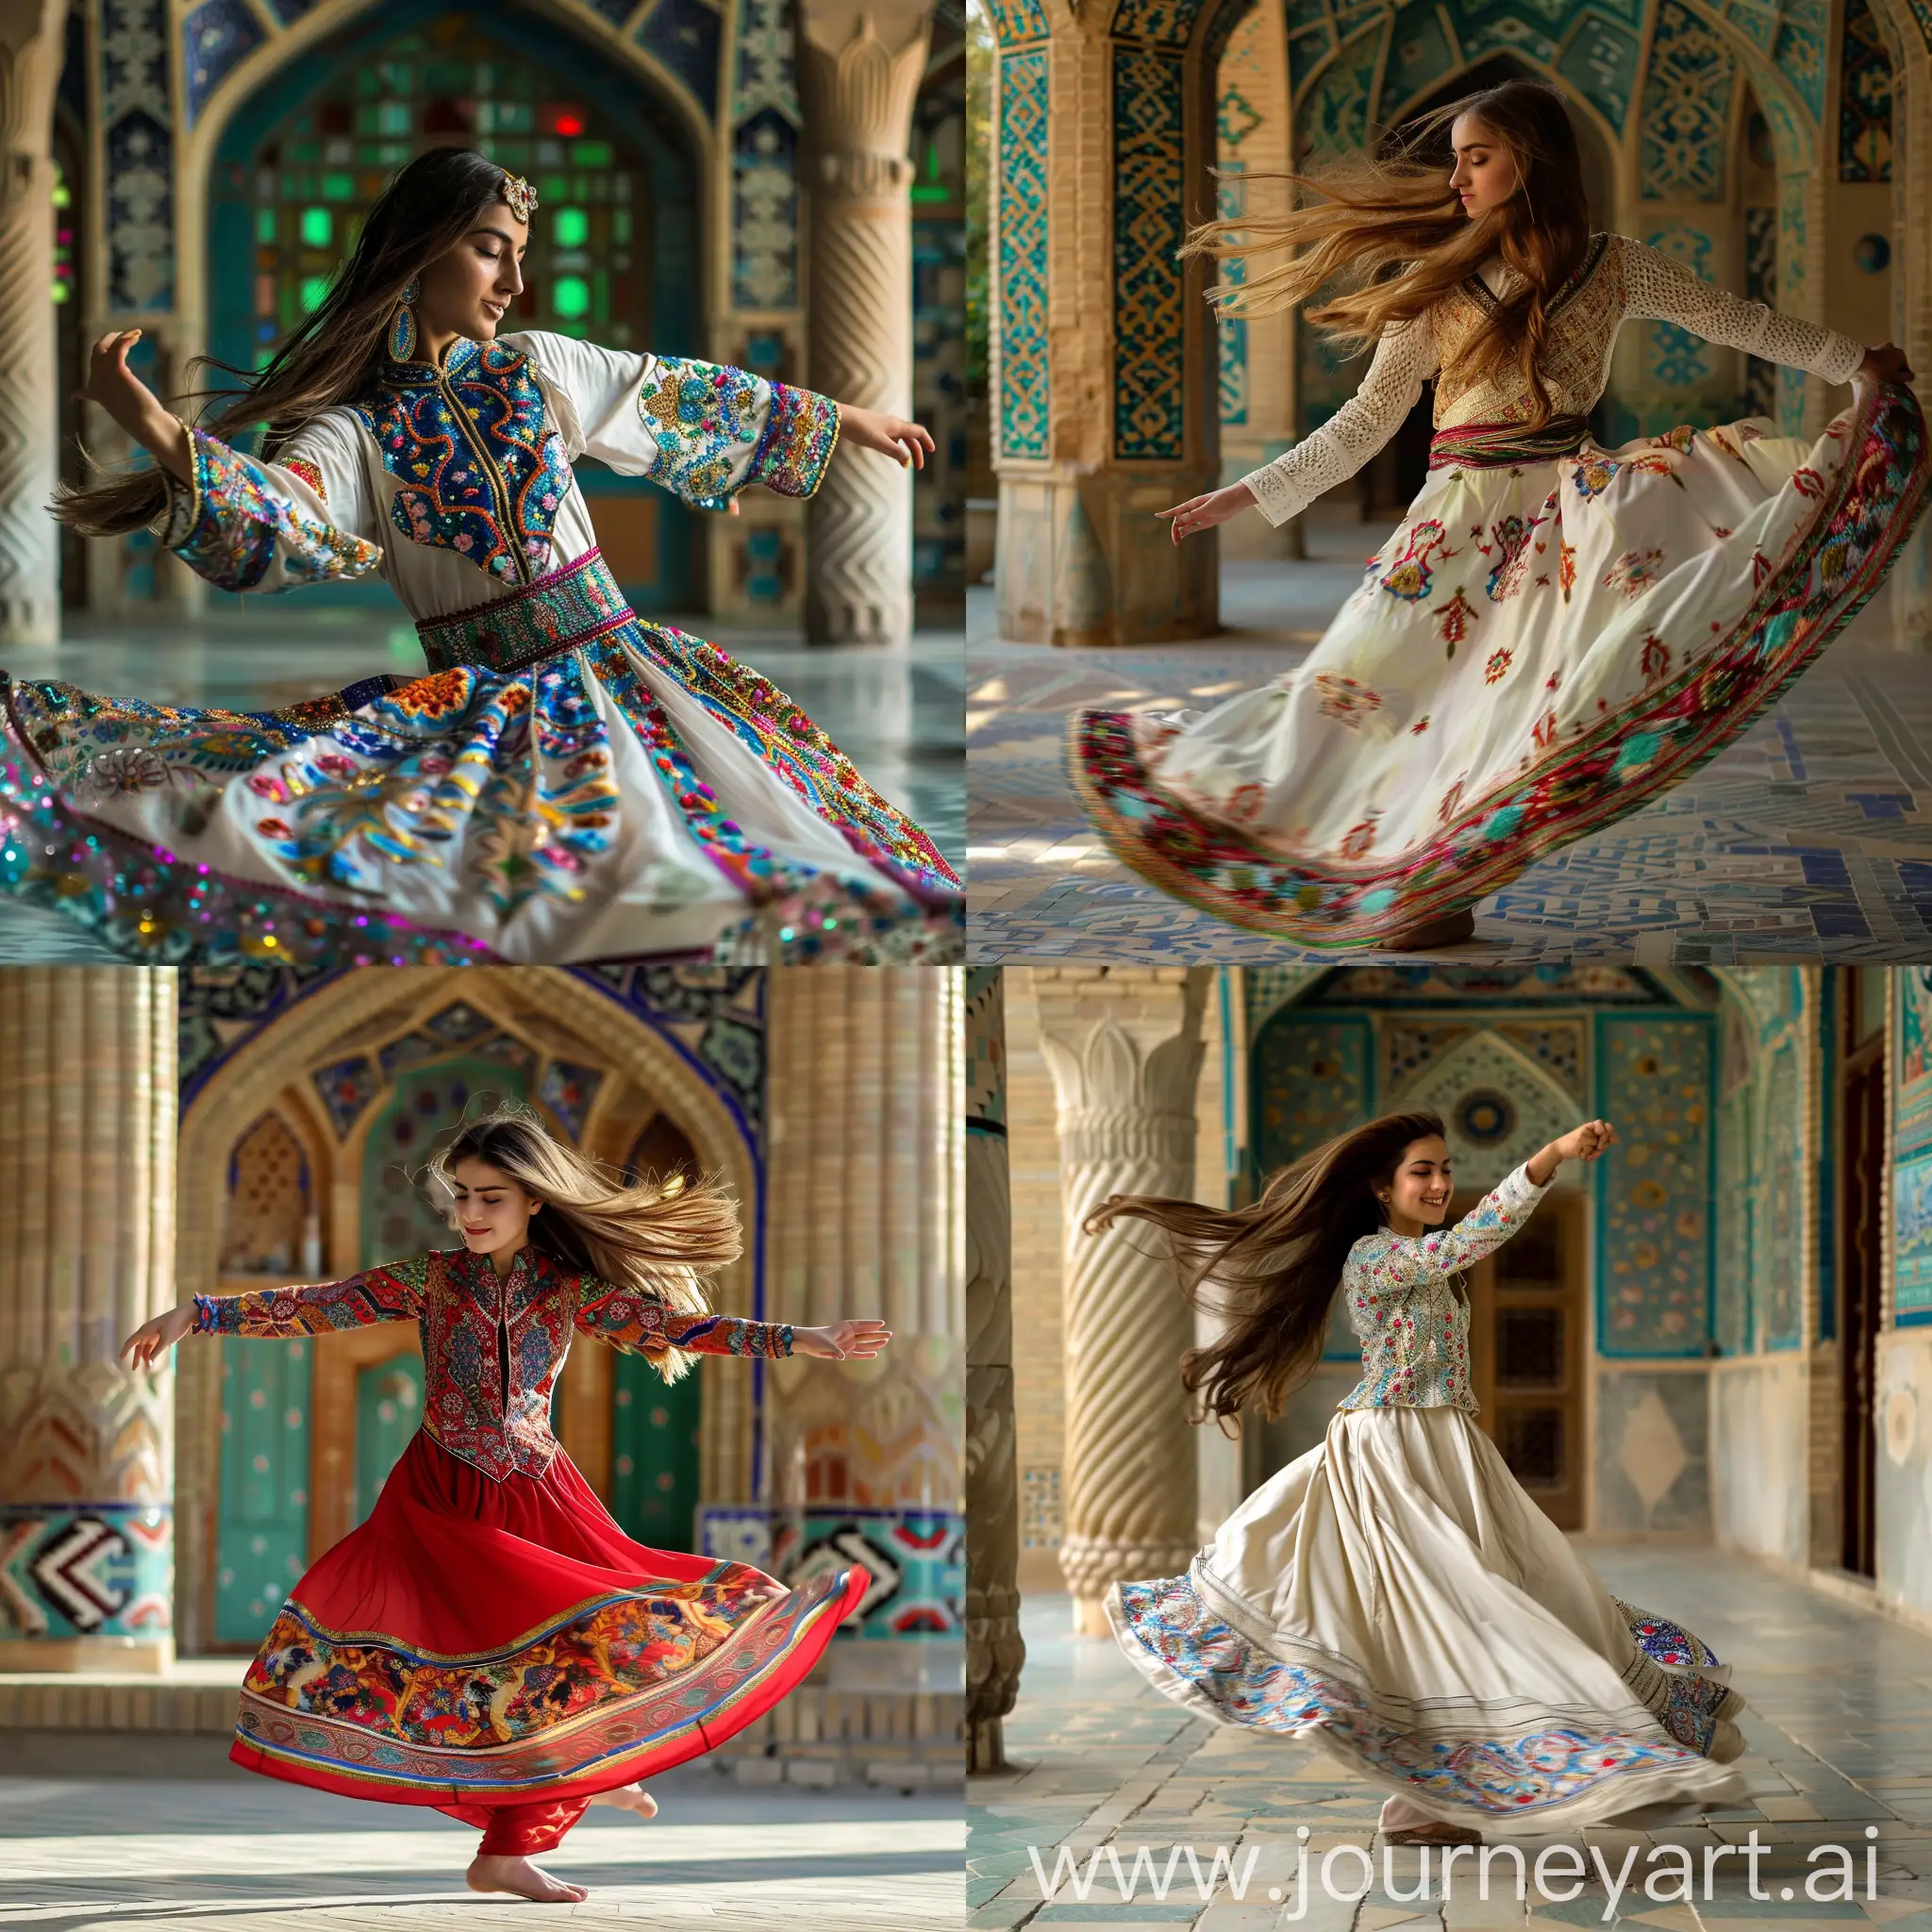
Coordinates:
column 520, row 196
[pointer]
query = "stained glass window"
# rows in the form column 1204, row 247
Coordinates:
column 63, row 236
column 317, row 173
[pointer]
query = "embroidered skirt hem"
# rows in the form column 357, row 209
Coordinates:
column 1538, row 652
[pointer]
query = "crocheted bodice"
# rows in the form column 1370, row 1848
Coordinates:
column 1618, row 280
column 492, row 1345
column 1411, row 1316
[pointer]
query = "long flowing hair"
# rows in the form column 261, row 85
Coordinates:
column 426, row 209
column 1389, row 237
column 1271, row 1271
column 659, row 1237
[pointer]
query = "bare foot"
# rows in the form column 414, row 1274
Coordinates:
column 1456, row 929
column 498, row 1873
column 630, row 1798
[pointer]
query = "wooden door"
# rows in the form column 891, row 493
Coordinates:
column 1528, row 1302
column 1861, row 1251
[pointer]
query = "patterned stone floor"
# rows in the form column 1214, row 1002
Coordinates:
column 895, row 713
column 1809, row 837
column 238, row 1853
column 1838, row 1737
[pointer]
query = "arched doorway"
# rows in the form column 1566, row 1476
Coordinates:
column 615, row 253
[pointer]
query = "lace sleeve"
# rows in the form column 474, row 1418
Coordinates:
column 1656, row 289
column 1404, row 360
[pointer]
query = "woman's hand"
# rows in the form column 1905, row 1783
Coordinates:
column 1204, row 512
column 863, row 1336
column 1886, row 363
column 1580, row 1144
column 890, row 436
column 155, row 1337
column 130, row 401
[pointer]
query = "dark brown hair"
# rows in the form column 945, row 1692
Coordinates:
column 1270, row 1270
column 427, row 208
column 1389, row 234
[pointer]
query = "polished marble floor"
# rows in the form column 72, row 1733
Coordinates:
column 1838, row 1739
column 1808, row 839
column 895, row 713
column 225, row 1851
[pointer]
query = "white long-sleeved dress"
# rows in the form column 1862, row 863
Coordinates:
column 570, row 782
column 1554, row 633
column 1396, row 1595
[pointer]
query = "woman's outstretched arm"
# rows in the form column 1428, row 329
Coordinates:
column 639, row 1324
column 393, row 1292
column 1657, row 289
column 241, row 524
column 1405, row 360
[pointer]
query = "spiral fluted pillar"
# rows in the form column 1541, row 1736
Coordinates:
column 994, row 1649
column 87, row 1255
column 860, row 70
column 1124, row 1047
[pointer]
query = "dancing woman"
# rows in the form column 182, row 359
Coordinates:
column 569, row 782
column 1556, row 632
column 1394, row 1592
column 488, row 1641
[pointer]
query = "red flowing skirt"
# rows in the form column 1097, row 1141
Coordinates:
column 478, row 1644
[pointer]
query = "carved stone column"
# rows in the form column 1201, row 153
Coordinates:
column 994, row 1650
column 87, row 1254
column 1123, row 1047
column 859, row 69
column 865, row 1218
column 32, row 41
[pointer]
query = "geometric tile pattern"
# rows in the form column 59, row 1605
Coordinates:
column 1025, row 154
column 1148, row 228
column 135, row 113
column 1809, row 837
column 1686, row 109
column 1864, row 114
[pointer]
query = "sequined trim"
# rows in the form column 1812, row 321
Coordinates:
column 573, row 605
column 310, row 473
column 801, row 433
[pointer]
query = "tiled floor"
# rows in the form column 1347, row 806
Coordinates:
column 1809, row 837
column 244, row 1854
column 895, row 713
column 1838, row 1737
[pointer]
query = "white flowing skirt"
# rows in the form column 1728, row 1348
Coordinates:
column 1396, row 1595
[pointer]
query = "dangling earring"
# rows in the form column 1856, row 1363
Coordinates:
column 402, row 324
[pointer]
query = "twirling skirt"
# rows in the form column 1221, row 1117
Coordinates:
column 574, row 784
column 1394, row 1594
column 478, row 1644
column 1540, row 648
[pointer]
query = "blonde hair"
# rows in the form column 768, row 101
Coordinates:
column 1390, row 235
column 659, row 1237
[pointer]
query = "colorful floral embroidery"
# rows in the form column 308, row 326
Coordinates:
column 482, row 471
column 1633, row 570
column 1656, row 659
column 1589, row 776
column 492, row 1346
column 1344, row 700
column 232, row 523
column 717, row 429
column 1593, row 476
column 1510, row 536
column 309, row 473
column 1414, row 1327
column 572, row 606
column 1665, row 1642
column 1498, row 664
column 1453, row 624
column 1408, row 576
column 1498, row 1763
column 631, row 1679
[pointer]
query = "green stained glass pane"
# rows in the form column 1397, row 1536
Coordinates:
column 600, row 297
column 573, row 329
column 619, row 227
column 265, row 225
column 591, row 153
column 314, row 289
column 392, row 117
column 570, row 296
column 553, row 188
column 339, row 188
column 318, row 227
column 513, row 153
column 572, row 227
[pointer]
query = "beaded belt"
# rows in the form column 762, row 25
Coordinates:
column 1497, row 445
column 573, row 606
